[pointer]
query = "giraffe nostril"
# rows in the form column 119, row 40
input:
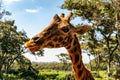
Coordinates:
column 35, row 38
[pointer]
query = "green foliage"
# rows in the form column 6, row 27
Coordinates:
column 50, row 74
column 28, row 73
column 103, row 39
column 10, row 77
column 58, row 75
column 11, row 45
column 11, row 50
column 53, row 66
column 3, row 12
column 39, row 53
column 102, row 76
column 64, row 58
column 10, row 40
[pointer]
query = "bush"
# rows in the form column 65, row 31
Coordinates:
column 9, row 77
column 57, row 75
column 12, row 71
column 48, row 74
column 67, row 76
column 28, row 73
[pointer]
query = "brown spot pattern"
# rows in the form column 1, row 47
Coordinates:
column 76, row 58
column 75, row 49
column 55, row 39
column 69, row 39
column 80, row 72
column 75, row 42
column 50, row 44
column 60, row 39
column 57, row 45
column 79, row 66
column 39, row 42
column 68, row 47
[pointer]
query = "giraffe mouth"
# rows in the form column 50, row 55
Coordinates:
column 31, row 46
column 33, row 49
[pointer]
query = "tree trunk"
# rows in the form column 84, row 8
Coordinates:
column 90, row 62
column 108, row 71
column 97, row 65
column 108, row 68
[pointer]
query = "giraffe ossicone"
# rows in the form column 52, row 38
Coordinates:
column 61, row 33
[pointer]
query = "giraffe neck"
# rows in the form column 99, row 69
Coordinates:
column 81, row 73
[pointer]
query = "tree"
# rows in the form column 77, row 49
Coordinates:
column 65, row 59
column 11, row 44
column 116, row 5
column 104, row 17
column 3, row 12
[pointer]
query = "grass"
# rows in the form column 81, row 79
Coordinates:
column 53, row 74
column 61, row 74
column 102, row 76
column 58, row 75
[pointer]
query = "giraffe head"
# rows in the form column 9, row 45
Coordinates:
column 59, row 33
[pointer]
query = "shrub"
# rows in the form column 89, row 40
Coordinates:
column 67, row 76
column 28, row 73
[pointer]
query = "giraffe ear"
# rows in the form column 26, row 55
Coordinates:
column 82, row 29
column 56, row 17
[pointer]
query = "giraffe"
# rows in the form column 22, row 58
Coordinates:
column 61, row 33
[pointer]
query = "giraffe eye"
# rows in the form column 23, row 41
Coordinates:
column 64, row 29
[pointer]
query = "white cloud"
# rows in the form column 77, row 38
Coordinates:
column 31, row 10
column 10, row 1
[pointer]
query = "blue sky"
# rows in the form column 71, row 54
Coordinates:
column 33, row 16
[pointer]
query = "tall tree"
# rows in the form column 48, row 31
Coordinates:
column 103, row 16
column 116, row 5
column 11, row 44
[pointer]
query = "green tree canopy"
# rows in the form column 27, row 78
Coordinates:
column 11, row 43
column 103, row 38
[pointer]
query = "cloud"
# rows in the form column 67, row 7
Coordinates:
column 10, row 1
column 31, row 10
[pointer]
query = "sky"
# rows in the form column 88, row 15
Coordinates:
column 33, row 16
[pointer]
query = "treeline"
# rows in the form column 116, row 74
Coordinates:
column 40, row 71
column 53, row 66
